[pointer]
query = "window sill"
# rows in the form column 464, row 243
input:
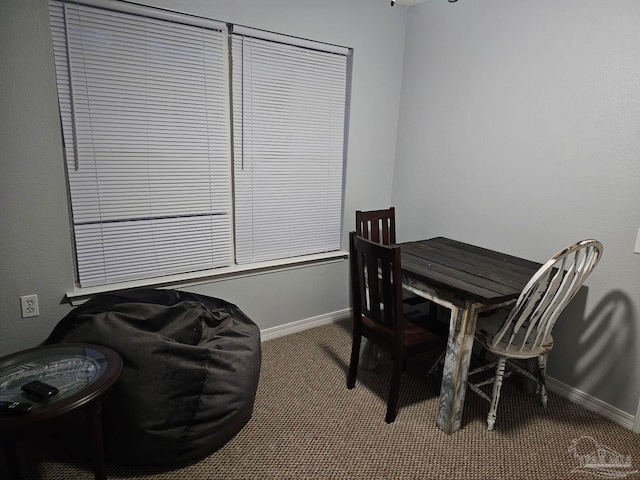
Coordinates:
column 80, row 295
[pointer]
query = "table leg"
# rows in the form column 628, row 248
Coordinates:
column 97, row 442
column 456, row 366
column 11, row 458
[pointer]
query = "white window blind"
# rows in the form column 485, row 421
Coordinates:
column 146, row 127
column 288, row 120
column 145, row 97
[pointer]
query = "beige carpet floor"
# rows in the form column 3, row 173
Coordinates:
column 307, row 425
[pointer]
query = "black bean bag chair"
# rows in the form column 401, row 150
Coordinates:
column 191, row 369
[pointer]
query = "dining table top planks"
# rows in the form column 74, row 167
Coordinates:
column 467, row 271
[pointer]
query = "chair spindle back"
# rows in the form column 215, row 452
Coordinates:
column 534, row 314
column 379, row 226
column 376, row 281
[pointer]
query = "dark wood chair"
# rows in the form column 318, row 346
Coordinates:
column 376, row 288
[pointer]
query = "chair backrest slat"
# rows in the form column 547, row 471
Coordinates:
column 545, row 296
column 554, row 299
column 379, row 226
column 377, row 293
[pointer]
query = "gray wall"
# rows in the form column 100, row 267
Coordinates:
column 35, row 237
column 520, row 131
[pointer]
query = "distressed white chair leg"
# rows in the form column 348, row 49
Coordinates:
column 542, row 361
column 495, row 397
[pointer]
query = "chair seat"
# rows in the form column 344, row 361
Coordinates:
column 489, row 327
column 414, row 335
column 513, row 351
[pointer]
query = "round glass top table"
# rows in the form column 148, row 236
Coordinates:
column 83, row 374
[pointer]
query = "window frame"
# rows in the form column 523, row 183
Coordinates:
column 235, row 270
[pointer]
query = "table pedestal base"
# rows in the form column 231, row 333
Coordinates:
column 97, row 451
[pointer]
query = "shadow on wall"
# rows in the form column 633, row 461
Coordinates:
column 592, row 352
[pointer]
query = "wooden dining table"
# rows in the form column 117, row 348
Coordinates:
column 468, row 280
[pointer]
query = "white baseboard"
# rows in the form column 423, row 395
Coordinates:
column 593, row 404
column 572, row 394
column 300, row 325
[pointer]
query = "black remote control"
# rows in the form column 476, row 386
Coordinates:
column 39, row 389
column 14, row 407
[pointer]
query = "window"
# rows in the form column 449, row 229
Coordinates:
column 288, row 104
column 187, row 151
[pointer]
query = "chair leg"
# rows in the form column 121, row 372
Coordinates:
column 369, row 355
column 355, row 356
column 394, row 390
column 495, row 398
column 437, row 366
column 542, row 363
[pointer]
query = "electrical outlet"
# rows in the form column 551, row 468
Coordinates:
column 29, row 306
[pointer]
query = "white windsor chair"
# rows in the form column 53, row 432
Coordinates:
column 525, row 333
